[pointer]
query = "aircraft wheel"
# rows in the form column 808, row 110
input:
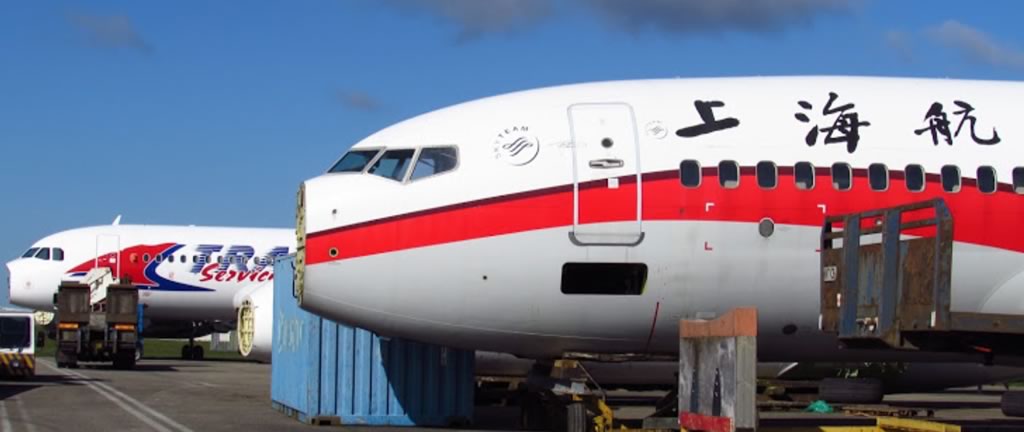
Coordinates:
column 851, row 390
column 532, row 415
column 197, row 352
column 577, row 419
column 1012, row 403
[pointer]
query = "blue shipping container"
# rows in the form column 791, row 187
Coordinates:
column 326, row 372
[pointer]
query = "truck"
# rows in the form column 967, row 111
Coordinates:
column 107, row 330
column 17, row 343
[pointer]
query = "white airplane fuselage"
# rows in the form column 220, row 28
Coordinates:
column 184, row 273
column 592, row 176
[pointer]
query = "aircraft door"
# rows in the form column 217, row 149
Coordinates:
column 607, row 191
column 108, row 253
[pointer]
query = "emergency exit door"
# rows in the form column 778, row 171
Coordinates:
column 607, row 192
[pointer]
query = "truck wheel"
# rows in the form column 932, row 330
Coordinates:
column 197, row 352
column 124, row 360
column 851, row 390
column 1012, row 403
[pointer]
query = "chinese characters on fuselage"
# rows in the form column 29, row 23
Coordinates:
column 938, row 124
column 707, row 116
column 842, row 123
column 845, row 127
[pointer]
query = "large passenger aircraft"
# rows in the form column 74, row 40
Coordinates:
column 591, row 218
column 192, row 279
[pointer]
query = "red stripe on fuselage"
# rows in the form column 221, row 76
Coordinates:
column 983, row 219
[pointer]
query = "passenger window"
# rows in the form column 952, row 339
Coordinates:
column 354, row 161
column 842, row 177
column 767, row 175
column 803, row 175
column 158, row 258
column 393, row 164
column 58, row 254
column 43, row 254
column 434, row 160
column 170, row 258
column 689, row 173
column 145, row 258
column 1018, row 180
column 728, row 174
column 914, row 178
column 133, row 258
column 183, row 259
column 987, row 179
column 604, row 278
column 878, row 176
column 950, row 178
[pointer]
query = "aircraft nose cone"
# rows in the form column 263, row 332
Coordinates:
column 23, row 288
column 16, row 286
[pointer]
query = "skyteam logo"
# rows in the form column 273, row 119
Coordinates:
column 516, row 146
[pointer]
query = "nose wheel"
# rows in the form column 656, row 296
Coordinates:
column 192, row 351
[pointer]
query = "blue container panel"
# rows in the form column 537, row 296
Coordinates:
column 295, row 357
column 324, row 369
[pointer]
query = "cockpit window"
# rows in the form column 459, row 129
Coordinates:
column 58, row 254
column 434, row 160
column 31, row 252
column 354, row 161
column 43, row 254
column 393, row 164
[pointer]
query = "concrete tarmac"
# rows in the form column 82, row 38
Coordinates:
column 184, row 396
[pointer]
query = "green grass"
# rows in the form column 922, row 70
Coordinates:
column 154, row 349
column 171, row 348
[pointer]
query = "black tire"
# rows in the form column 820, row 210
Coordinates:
column 851, row 390
column 124, row 360
column 197, row 352
column 577, row 419
column 1012, row 404
column 186, row 352
column 64, row 360
column 531, row 413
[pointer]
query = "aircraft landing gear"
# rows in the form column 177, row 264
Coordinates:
column 563, row 396
column 192, row 351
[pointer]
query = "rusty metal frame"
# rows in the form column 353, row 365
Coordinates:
column 896, row 292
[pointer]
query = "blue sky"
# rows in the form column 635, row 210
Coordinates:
column 213, row 112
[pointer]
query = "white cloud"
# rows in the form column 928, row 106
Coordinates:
column 695, row 16
column 477, row 17
column 976, row 45
column 113, row 31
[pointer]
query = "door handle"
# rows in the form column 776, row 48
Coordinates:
column 607, row 163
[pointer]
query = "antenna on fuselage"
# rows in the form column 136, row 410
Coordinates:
column 117, row 220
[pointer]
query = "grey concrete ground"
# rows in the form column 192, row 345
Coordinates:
column 180, row 396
